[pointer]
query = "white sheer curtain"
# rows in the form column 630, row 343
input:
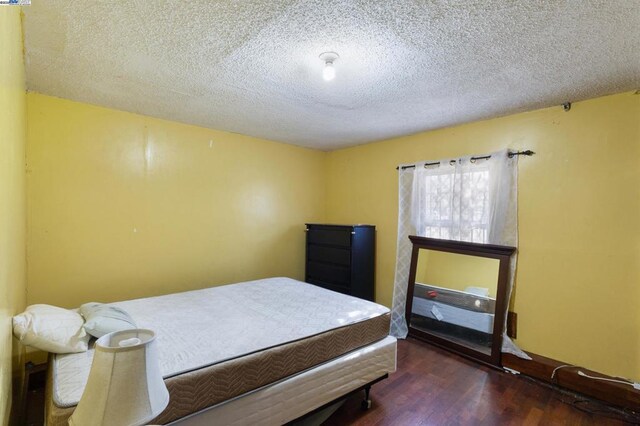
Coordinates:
column 456, row 199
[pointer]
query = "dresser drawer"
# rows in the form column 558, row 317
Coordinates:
column 329, row 273
column 334, row 287
column 340, row 256
column 334, row 237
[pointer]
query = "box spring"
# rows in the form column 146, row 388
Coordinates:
column 195, row 389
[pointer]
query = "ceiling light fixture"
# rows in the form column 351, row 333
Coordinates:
column 329, row 71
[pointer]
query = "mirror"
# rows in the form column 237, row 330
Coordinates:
column 457, row 296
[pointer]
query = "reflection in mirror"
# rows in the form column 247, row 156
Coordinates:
column 455, row 297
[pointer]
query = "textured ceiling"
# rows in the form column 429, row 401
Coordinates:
column 252, row 67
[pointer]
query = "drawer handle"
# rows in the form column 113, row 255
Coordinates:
column 353, row 232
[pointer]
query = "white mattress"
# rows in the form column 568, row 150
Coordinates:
column 293, row 397
column 479, row 321
column 204, row 327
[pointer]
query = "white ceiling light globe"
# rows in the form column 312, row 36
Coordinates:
column 329, row 72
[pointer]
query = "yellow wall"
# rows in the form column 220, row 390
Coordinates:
column 12, row 195
column 457, row 271
column 123, row 206
column 577, row 291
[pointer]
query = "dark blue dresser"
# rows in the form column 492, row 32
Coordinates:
column 342, row 258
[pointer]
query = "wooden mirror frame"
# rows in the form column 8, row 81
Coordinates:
column 503, row 254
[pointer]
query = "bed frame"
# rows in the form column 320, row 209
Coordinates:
column 299, row 397
column 365, row 404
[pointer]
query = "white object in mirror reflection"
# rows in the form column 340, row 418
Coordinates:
column 436, row 313
column 479, row 291
column 125, row 385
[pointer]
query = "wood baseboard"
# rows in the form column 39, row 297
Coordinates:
column 542, row 367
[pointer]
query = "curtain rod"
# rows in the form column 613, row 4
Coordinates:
column 528, row 153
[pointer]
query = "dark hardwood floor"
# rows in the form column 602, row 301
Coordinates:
column 434, row 387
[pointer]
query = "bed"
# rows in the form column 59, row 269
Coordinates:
column 258, row 352
column 455, row 314
column 461, row 308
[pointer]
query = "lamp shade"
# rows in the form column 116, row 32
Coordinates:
column 125, row 385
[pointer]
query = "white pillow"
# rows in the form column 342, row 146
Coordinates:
column 51, row 329
column 103, row 319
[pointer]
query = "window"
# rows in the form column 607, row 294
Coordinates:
column 456, row 203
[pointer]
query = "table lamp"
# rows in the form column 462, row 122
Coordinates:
column 125, row 385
